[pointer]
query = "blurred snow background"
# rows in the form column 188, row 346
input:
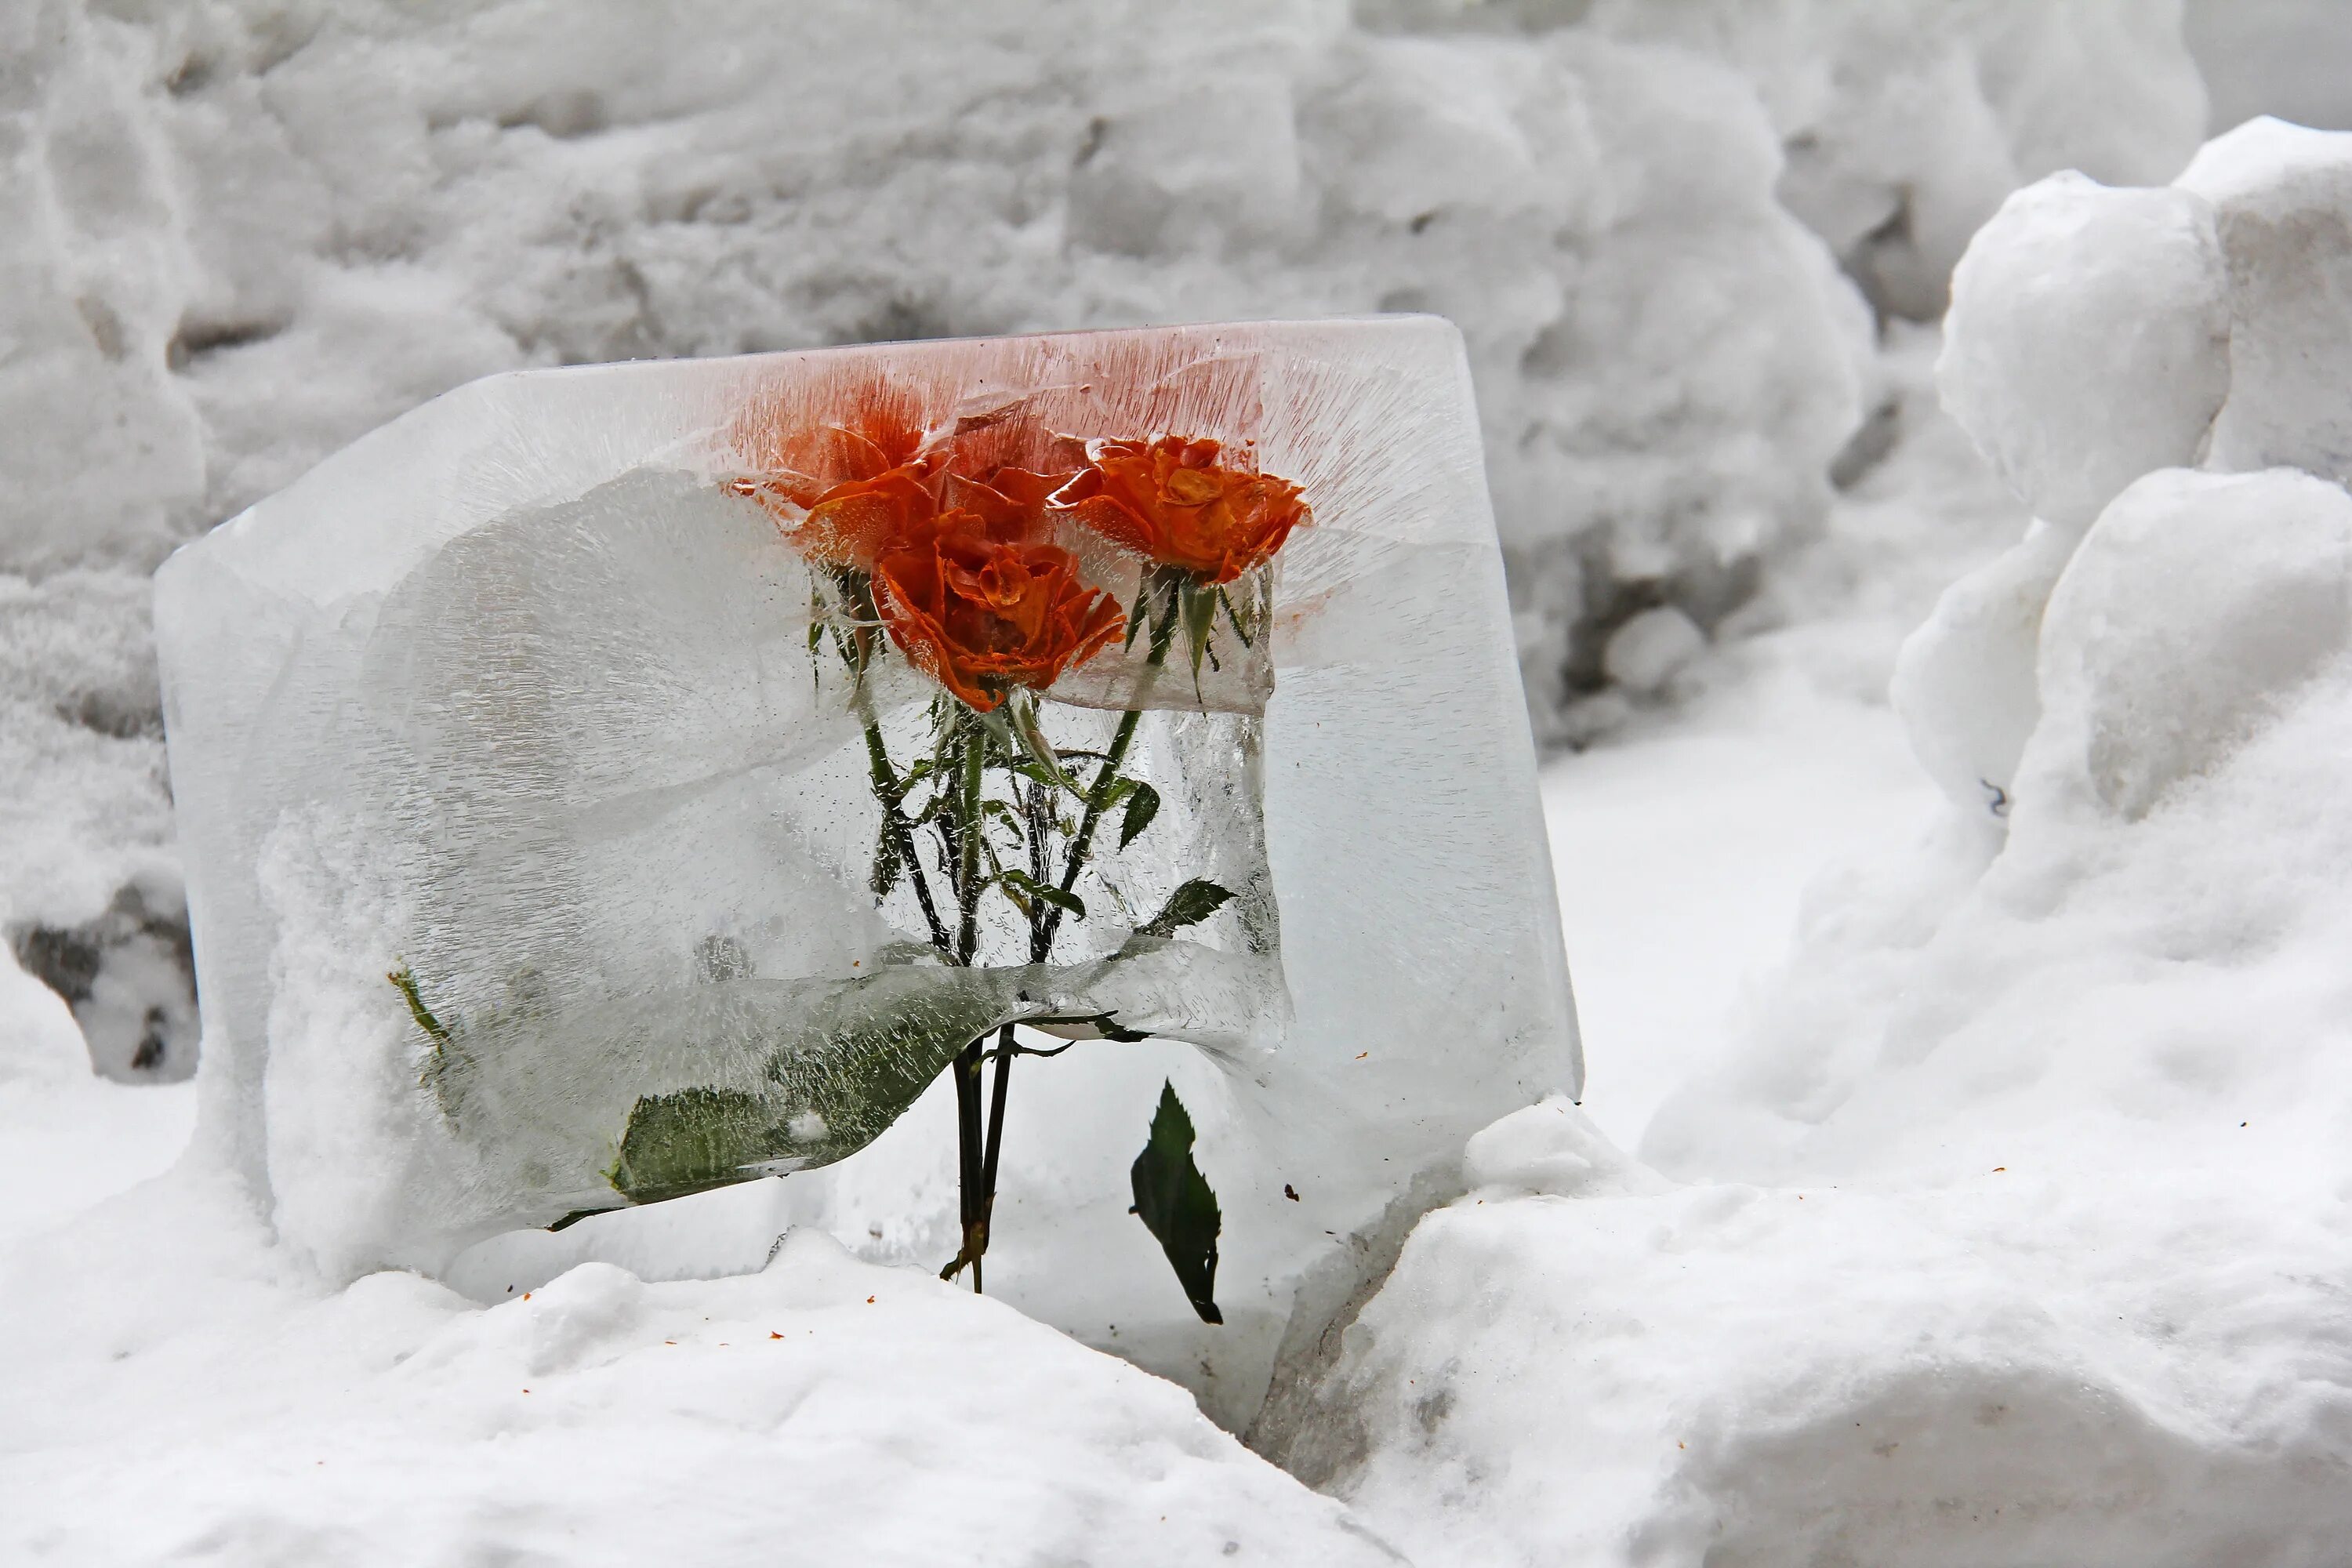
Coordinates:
column 1998, row 1222
column 244, row 233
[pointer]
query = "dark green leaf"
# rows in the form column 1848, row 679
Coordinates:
column 1191, row 904
column 1175, row 1204
column 1142, row 805
column 1067, row 901
column 688, row 1142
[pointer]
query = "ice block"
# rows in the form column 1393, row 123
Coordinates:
column 606, row 784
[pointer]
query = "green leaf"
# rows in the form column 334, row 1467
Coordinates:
column 1191, row 904
column 1033, row 740
column 843, row 1067
column 1200, row 620
column 1068, row 903
column 688, row 1142
column 1142, row 805
column 1176, row 1204
column 404, row 980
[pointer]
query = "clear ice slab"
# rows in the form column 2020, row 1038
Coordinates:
column 571, row 779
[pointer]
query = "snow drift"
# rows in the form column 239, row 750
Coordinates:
column 2016, row 1229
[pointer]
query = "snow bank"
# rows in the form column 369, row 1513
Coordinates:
column 253, row 231
column 821, row 1410
column 91, row 896
column 1904, row 124
column 2017, row 1226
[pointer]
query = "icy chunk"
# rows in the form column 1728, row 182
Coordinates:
column 2195, row 605
column 575, row 778
column 2088, row 341
column 2283, row 197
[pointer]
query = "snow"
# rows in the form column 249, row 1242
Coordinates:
column 819, row 1410
column 2286, row 57
column 2282, row 201
column 2088, row 339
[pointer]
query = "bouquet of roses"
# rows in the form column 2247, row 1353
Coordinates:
column 992, row 557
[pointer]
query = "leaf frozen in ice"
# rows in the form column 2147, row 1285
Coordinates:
column 1191, row 904
column 1142, row 805
column 1176, row 1204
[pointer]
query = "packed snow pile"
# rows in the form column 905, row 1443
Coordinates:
column 2016, row 1229
column 819, row 1410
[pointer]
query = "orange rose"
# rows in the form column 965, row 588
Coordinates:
column 852, row 522
column 1172, row 501
column 980, row 606
column 844, row 491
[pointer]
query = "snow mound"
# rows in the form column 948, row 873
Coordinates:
column 821, row 1410
column 2088, row 339
column 2018, row 1225
column 2098, row 335
column 2282, row 197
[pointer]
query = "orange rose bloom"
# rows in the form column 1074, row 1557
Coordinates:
column 852, row 522
column 1171, row 501
column 844, row 491
column 979, row 606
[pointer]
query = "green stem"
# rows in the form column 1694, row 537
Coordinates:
column 971, row 759
column 1004, row 1054
column 893, row 796
column 978, row 1153
column 1163, row 632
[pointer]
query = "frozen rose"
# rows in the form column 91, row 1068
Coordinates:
column 981, row 607
column 1172, row 502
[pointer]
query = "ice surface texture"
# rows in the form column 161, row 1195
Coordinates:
column 516, row 696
